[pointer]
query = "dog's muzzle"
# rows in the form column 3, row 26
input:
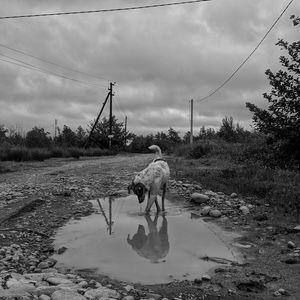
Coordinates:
column 139, row 189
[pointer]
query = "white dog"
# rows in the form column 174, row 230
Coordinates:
column 151, row 180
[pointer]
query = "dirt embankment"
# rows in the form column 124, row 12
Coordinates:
column 37, row 198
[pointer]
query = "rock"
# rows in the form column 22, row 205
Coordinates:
column 206, row 277
column 46, row 290
column 250, row 285
column 297, row 228
column 284, row 292
column 215, row 213
column 291, row 245
column 261, row 217
column 14, row 294
column 197, row 187
column 205, row 210
column 44, row 297
column 233, row 195
column 244, row 209
column 58, row 280
column 66, row 295
column 291, row 261
column 228, row 203
column 211, row 193
column 199, row 198
column 153, row 296
column 128, row 298
column 129, row 288
column 48, row 263
column 101, row 292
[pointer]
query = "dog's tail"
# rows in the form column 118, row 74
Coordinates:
column 157, row 151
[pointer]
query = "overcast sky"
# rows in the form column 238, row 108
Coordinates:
column 160, row 58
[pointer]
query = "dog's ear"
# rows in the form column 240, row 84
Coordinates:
column 130, row 187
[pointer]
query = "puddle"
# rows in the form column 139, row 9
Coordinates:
column 123, row 243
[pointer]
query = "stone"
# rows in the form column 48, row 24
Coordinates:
column 46, row 290
column 44, row 297
column 244, row 209
column 66, row 295
column 15, row 294
column 197, row 280
column 206, row 277
column 233, row 195
column 297, row 228
column 101, row 292
column 211, row 193
column 199, row 198
column 58, row 280
column 197, row 187
column 129, row 288
column 291, row 245
column 46, row 264
column 215, row 213
column 128, row 298
column 227, row 202
column 205, row 210
column 261, row 217
column 153, row 296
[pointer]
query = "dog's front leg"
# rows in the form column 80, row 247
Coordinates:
column 163, row 196
column 151, row 199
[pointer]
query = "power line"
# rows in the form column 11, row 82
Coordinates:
column 247, row 58
column 35, row 68
column 52, row 63
column 101, row 10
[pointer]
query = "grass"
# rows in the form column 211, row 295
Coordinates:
column 239, row 168
column 19, row 153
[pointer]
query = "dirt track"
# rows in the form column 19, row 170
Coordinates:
column 38, row 197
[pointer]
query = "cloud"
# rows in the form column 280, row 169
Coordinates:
column 159, row 58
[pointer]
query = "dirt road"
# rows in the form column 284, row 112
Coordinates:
column 36, row 198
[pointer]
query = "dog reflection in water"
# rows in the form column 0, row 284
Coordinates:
column 154, row 245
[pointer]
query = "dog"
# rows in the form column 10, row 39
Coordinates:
column 151, row 180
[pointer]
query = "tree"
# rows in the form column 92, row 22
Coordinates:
column 81, row 136
column 3, row 132
column 68, row 137
column 173, row 137
column 37, row 137
column 101, row 132
column 281, row 120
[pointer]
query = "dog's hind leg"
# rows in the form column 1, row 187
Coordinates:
column 163, row 196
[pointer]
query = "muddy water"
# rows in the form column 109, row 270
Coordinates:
column 123, row 243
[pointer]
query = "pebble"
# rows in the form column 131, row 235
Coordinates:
column 291, row 245
column 244, row 209
column 206, row 277
column 199, row 198
column 205, row 210
column 215, row 213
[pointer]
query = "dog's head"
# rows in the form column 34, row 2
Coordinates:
column 139, row 189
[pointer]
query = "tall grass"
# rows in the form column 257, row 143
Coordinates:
column 20, row 153
column 242, row 168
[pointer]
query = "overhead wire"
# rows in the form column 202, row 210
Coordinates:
column 102, row 10
column 204, row 99
column 53, row 63
column 45, row 71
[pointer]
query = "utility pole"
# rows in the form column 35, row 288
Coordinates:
column 55, row 129
column 125, row 138
column 110, row 136
column 191, row 136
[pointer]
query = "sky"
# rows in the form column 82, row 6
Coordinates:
column 160, row 58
